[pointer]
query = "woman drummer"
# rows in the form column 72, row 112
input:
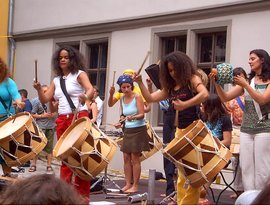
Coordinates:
column 68, row 66
column 135, row 133
column 8, row 93
column 179, row 83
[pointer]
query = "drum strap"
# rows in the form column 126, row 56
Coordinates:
column 5, row 106
column 64, row 89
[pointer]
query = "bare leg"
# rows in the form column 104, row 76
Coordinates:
column 127, row 171
column 136, row 164
column 34, row 161
column 49, row 159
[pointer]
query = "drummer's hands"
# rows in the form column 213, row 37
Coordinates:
column 241, row 81
column 37, row 85
column 130, row 117
column 83, row 98
column 179, row 104
column 118, row 125
column 112, row 90
column 213, row 74
column 20, row 104
column 137, row 77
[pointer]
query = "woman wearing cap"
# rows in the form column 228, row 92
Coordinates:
column 135, row 133
column 116, row 96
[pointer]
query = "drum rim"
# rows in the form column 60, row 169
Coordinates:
column 59, row 142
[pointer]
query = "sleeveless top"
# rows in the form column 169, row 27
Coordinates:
column 131, row 109
column 189, row 115
column 74, row 89
column 251, row 123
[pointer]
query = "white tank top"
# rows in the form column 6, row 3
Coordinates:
column 74, row 89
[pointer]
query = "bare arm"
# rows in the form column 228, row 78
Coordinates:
column 150, row 97
column 227, row 138
column 44, row 97
column 85, row 83
column 229, row 95
column 112, row 100
column 261, row 98
column 94, row 111
column 201, row 96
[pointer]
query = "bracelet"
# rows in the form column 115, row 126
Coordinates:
column 86, row 97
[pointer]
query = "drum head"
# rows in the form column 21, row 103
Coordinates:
column 13, row 123
column 72, row 134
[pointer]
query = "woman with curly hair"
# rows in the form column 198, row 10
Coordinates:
column 181, row 84
column 68, row 65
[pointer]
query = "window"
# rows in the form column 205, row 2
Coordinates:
column 211, row 49
column 97, row 57
column 170, row 44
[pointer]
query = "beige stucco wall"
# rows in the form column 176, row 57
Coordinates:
column 60, row 13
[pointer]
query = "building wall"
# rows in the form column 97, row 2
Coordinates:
column 63, row 13
column 3, row 29
column 38, row 31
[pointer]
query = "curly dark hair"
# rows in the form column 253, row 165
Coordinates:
column 41, row 189
column 4, row 72
column 213, row 108
column 76, row 60
column 184, row 70
column 264, row 56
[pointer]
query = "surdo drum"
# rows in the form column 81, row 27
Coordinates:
column 197, row 154
column 20, row 139
column 85, row 149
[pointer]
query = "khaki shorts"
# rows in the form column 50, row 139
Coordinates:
column 49, row 133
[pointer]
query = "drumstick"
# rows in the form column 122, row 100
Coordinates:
column 176, row 118
column 36, row 71
column 147, row 55
column 76, row 112
column 113, row 77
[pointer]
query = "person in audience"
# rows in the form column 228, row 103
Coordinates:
column 236, row 107
column 46, row 121
column 40, row 189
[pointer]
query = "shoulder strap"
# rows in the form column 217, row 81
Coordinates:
column 64, row 89
column 4, row 104
column 240, row 103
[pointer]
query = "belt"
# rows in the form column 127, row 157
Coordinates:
column 72, row 114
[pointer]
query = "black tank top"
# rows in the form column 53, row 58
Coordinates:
column 187, row 116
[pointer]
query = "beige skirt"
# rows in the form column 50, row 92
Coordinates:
column 135, row 140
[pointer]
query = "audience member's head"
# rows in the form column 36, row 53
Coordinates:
column 263, row 197
column 40, row 189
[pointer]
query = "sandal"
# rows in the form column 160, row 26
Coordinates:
column 49, row 169
column 33, row 168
